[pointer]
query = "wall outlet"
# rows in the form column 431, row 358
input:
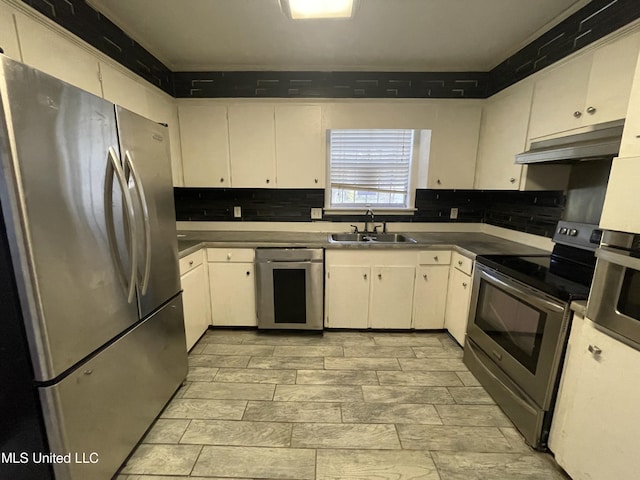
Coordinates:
column 454, row 213
column 237, row 212
column 316, row 214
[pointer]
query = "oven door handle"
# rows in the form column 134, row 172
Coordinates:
column 617, row 258
column 533, row 299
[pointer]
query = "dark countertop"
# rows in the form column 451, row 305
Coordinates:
column 469, row 244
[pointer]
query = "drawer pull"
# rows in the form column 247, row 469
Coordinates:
column 595, row 350
column 460, row 262
column 435, row 258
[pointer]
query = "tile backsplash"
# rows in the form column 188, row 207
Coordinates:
column 531, row 212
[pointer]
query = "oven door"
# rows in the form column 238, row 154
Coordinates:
column 521, row 329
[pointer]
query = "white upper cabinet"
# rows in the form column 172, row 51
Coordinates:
column 630, row 146
column 454, row 147
column 252, row 145
column 205, row 145
column 54, row 54
column 590, row 89
column 8, row 35
column 300, row 146
column 503, row 134
column 123, row 90
column 559, row 97
column 163, row 109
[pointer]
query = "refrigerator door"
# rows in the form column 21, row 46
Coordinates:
column 71, row 251
column 106, row 405
column 144, row 147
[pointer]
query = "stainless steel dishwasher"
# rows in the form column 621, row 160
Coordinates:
column 290, row 288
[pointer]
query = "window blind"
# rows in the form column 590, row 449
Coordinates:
column 370, row 167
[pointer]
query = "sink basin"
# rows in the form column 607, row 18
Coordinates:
column 370, row 238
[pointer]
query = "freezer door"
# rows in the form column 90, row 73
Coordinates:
column 106, row 405
column 70, row 250
column 144, row 147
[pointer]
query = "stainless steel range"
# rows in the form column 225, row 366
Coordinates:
column 519, row 321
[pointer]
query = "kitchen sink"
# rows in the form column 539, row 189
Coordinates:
column 370, row 238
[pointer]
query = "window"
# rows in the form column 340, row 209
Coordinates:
column 370, row 168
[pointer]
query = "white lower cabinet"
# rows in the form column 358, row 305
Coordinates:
column 430, row 292
column 596, row 424
column 347, row 295
column 232, row 287
column 366, row 289
column 458, row 297
column 195, row 297
column 391, row 303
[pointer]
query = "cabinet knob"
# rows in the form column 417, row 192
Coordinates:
column 595, row 350
column 315, row 180
column 637, row 136
column 380, row 276
column 88, row 372
column 577, row 114
column 424, row 276
column 591, row 110
column 268, row 180
column 221, row 179
column 464, row 284
column 365, row 276
column 460, row 263
column 435, row 258
column 248, row 273
column 191, row 263
column 512, row 180
column 228, row 256
column 438, row 182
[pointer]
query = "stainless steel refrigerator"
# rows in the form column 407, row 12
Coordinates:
column 89, row 223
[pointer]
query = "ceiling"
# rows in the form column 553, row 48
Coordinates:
column 385, row 35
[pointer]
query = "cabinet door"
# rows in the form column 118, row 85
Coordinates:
column 121, row 89
column 621, row 209
column 558, row 95
column 430, row 296
column 610, row 80
column 233, row 294
column 630, row 146
column 503, row 134
column 457, row 309
column 347, row 296
column 391, row 296
column 8, row 35
column 601, row 420
column 54, row 54
column 195, row 300
column 252, row 146
column 299, row 146
column 454, row 147
column 204, row 136
column 163, row 109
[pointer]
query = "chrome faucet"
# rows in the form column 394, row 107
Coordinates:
column 369, row 213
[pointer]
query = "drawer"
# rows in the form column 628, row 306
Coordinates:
column 462, row 263
column 191, row 261
column 230, row 255
column 434, row 257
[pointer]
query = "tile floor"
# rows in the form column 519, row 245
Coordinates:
column 344, row 405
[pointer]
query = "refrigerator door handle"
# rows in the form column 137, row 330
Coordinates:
column 147, row 223
column 114, row 167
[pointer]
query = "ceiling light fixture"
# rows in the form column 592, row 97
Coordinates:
column 314, row 9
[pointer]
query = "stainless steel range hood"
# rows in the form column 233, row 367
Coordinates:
column 600, row 142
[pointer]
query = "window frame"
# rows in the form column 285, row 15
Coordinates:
column 416, row 159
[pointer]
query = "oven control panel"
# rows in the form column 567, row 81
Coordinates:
column 583, row 235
